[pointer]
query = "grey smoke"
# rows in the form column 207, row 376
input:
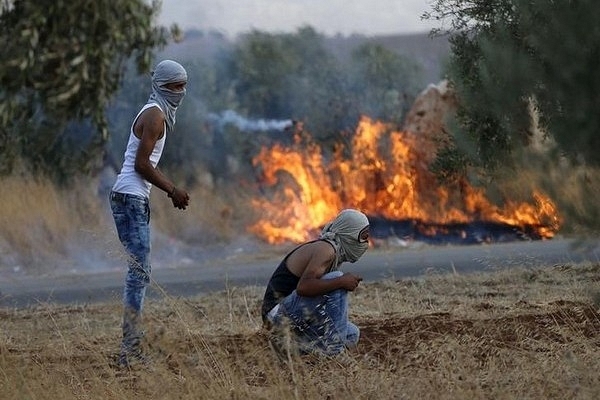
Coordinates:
column 245, row 124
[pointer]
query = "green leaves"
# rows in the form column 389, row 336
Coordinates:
column 63, row 62
column 507, row 53
column 383, row 81
column 510, row 57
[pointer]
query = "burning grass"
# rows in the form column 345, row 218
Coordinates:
column 386, row 174
column 519, row 333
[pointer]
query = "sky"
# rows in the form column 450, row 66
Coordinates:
column 328, row 17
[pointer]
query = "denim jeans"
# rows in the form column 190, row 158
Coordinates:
column 132, row 217
column 319, row 323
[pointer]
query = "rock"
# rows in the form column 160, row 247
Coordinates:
column 430, row 111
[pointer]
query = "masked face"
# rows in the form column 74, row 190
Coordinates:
column 350, row 229
column 168, row 89
column 353, row 247
column 173, row 93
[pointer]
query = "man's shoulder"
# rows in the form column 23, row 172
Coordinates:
column 321, row 248
column 152, row 112
column 151, row 117
column 311, row 248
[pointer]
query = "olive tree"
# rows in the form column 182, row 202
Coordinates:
column 510, row 57
column 61, row 63
column 508, row 54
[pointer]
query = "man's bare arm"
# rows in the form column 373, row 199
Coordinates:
column 149, row 129
column 311, row 284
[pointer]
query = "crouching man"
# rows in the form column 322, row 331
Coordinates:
column 308, row 294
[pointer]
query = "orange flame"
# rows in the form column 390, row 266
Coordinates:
column 385, row 175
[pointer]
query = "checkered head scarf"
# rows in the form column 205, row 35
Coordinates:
column 343, row 233
column 166, row 72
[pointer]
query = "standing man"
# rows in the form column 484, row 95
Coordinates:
column 129, row 198
column 308, row 293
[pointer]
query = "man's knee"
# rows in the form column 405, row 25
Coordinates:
column 138, row 274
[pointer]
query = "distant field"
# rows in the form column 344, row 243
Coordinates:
column 517, row 334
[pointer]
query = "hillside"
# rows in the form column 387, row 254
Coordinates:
column 430, row 52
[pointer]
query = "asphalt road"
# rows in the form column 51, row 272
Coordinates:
column 377, row 264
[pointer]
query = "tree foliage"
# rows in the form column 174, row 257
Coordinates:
column 289, row 76
column 62, row 61
column 295, row 76
column 509, row 54
column 384, row 82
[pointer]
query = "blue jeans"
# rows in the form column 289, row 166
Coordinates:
column 319, row 323
column 132, row 218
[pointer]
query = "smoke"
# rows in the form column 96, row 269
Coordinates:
column 248, row 125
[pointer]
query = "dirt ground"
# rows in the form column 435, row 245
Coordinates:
column 532, row 328
column 518, row 334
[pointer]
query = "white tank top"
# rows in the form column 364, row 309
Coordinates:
column 128, row 180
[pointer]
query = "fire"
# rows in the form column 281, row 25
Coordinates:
column 386, row 174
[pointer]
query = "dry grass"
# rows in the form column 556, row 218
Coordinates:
column 39, row 221
column 515, row 334
column 211, row 217
column 573, row 186
column 46, row 228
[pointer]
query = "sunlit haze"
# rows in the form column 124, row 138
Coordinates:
column 232, row 17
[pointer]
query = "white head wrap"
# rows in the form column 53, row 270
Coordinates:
column 343, row 233
column 166, row 72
